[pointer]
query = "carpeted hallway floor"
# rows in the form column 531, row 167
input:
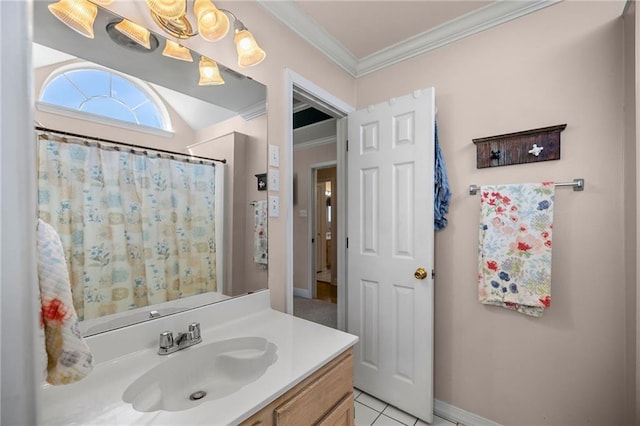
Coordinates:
column 315, row 310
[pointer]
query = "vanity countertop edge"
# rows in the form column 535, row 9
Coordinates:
column 302, row 348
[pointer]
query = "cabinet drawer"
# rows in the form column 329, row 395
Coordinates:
column 343, row 414
column 315, row 399
column 320, row 395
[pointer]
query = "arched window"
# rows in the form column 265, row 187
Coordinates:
column 102, row 92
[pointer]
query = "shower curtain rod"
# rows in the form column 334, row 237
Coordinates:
column 144, row 149
column 577, row 184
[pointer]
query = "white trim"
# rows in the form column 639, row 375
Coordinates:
column 310, row 31
column 21, row 361
column 314, row 143
column 485, row 18
column 458, row 415
column 254, row 111
column 317, row 91
column 209, row 139
column 301, row 292
column 300, row 106
column 100, row 119
column 294, row 79
column 341, row 234
column 288, row 182
column 311, row 231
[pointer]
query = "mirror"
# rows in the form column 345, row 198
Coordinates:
column 224, row 122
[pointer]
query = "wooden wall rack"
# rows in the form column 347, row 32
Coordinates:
column 529, row 146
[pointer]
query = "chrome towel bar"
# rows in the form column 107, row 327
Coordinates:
column 577, row 184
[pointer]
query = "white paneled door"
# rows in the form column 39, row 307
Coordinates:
column 390, row 250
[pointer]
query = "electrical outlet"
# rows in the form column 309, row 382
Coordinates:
column 274, row 206
column 274, row 180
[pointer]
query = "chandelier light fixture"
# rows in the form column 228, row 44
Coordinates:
column 209, row 72
column 212, row 24
column 78, row 15
column 135, row 32
column 176, row 51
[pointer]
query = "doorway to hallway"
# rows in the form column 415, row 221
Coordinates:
column 318, row 300
column 316, row 149
column 325, row 215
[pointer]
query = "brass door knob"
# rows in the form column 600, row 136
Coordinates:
column 420, row 274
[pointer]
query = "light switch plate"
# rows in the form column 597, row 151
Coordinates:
column 274, row 180
column 274, row 156
column 274, row 206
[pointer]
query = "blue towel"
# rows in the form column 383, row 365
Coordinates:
column 441, row 193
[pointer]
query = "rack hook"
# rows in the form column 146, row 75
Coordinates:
column 535, row 150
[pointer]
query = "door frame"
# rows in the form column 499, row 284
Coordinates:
column 311, row 223
column 294, row 81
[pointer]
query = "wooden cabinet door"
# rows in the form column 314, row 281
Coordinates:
column 318, row 397
column 326, row 398
column 343, row 415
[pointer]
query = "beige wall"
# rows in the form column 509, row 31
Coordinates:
column 562, row 64
column 302, row 160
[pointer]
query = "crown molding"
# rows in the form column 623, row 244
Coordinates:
column 485, row 18
column 300, row 23
column 314, row 143
column 254, row 111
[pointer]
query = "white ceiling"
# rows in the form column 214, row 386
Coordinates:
column 365, row 36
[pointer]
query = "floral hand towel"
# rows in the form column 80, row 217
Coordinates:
column 515, row 246
column 260, row 243
column 68, row 356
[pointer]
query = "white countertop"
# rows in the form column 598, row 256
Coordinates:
column 303, row 347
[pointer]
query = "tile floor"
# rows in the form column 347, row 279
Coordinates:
column 372, row 411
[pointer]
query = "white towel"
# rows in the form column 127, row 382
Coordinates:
column 68, row 356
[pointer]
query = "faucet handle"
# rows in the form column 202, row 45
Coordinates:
column 166, row 340
column 194, row 330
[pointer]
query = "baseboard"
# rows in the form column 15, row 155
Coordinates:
column 302, row 292
column 460, row 416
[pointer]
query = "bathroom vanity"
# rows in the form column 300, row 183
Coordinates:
column 325, row 398
column 257, row 366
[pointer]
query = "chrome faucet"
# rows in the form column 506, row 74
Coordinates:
column 167, row 344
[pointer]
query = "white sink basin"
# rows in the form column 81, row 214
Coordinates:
column 201, row 373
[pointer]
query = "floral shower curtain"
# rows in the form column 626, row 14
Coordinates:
column 136, row 229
